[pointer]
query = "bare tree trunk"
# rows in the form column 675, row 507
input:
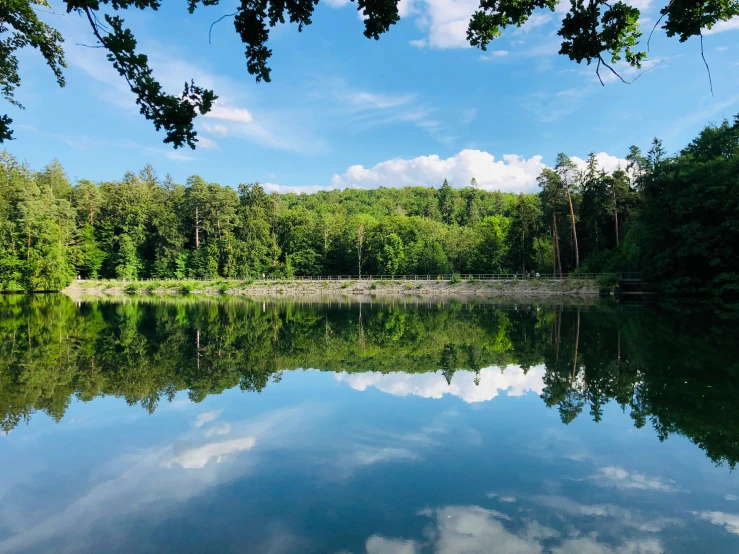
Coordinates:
column 197, row 229
column 556, row 245
column 615, row 213
column 523, row 252
column 360, row 244
column 574, row 230
column 577, row 343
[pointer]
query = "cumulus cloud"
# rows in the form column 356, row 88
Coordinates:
column 605, row 162
column 730, row 522
column 723, row 26
column 433, row 385
column 618, row 477
column 511, row 173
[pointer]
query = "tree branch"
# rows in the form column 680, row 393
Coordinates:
column 708, row 69
column 658, row 22
column 217, row 21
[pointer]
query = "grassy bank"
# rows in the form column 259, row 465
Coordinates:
column 301, row 288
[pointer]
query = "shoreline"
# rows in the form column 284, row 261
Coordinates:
column 526, row 288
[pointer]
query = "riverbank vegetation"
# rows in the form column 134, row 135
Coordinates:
column 673, row 218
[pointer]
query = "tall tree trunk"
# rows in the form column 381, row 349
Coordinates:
column 577, row 343
column 523, row 252
column 574, row 230
column 556, row 245
column 615, row 213
column 197, row 229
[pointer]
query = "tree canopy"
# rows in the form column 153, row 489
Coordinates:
column 674, row 218
column 593, row 31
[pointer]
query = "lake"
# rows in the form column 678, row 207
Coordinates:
column 394, row 427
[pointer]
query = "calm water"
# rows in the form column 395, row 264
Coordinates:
column 238, row 426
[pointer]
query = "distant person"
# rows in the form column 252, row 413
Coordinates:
column 262, row 276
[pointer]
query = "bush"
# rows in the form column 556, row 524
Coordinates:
column 373, row 286
column 346, row 285
column 471, row 279
column 607, row 284
column 455, row 278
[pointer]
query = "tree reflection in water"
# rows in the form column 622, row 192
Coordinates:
column 674, row 367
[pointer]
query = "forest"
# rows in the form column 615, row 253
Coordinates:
column 673, row 218
column 53, row 351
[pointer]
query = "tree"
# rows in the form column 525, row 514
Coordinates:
column 446, row 203
column 551, row 185
column 567, row 171
column 127, row 263
column 616, row 27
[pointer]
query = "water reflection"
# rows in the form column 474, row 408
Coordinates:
column 677, row 370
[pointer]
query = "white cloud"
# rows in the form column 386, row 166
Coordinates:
column 730, row 522
column 722, row 49
column 494, row 54
column 380, row 545
column 147, row 482
column 722, row 26
column 606, row 162
column 433, row 385
column 618, row 477
column 178, row 156
column 298, row 189
column 512, row 173
column 367, row 455
column 199, row 456
column 444, row 22
column 206, row 417
column 622, row 516
column 730, row 497
column 536, row 20
column 218, row 130
column 364, row 109
column 230, row 113
column 207, row 143
column 222, row 428
column 475, row 529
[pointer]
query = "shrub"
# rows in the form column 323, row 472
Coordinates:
column 373, row 286
column 455, row 278
column 607, row 284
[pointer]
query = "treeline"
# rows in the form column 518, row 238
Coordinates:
column 53, row 351
column 673, row 218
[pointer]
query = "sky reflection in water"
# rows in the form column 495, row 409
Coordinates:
column 326, row 461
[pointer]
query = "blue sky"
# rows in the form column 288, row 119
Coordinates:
column 413, row 108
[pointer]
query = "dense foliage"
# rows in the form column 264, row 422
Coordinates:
column 652, row 363
column 594, row 32
column 674, row 218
